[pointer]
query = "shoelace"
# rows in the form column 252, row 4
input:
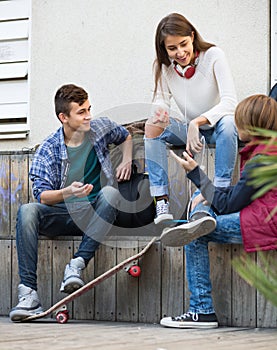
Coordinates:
column 183, row 317
column 74, row 269
column 161, row 208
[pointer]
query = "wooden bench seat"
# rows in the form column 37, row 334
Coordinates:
column 161, row 288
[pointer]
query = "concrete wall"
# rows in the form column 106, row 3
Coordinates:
column 108, row 48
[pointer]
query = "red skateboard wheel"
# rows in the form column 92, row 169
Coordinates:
column 62, row 317
column 135, row 271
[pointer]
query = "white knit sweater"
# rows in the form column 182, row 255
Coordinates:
column 210, row 92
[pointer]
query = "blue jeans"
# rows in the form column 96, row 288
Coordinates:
column 90, row 220
column 197, row 258
column 223, row 135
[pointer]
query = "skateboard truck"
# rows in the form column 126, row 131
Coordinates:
column 62, row 314
column 133, row 269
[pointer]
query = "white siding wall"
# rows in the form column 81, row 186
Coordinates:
column 108, row 48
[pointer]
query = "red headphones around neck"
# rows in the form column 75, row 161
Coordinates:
column 189, row 70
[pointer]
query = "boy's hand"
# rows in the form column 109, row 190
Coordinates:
column 186, row 162
column 78, row 189
column 197, row 200
column 123, row 171
column 189, row 164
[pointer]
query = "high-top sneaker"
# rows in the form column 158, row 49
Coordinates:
column 72, row 276
column 29, row 304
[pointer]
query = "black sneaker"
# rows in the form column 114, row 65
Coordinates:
column 191, row 320
column 162, row 212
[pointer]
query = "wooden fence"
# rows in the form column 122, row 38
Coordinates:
column 160, row 290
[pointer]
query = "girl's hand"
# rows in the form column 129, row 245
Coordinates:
column 160, row 118
column 194, row 145
column 186, row 162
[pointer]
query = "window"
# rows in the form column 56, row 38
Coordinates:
column 14, row 63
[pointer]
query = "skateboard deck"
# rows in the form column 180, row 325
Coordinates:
column 60, row 307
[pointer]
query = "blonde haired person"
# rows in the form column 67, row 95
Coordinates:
column 239, row 218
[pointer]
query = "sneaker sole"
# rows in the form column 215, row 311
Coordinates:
column 184, row 234
column 20, row 315
column 71, row 285
column 167, row 322
column 162, row 218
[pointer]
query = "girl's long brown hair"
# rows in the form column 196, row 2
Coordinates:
column 177, row 25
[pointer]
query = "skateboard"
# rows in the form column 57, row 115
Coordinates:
column 60, row 308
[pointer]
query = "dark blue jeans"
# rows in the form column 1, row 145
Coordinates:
column 90, row 220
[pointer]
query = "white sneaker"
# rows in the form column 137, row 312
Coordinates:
column 184, row 234
column 72, row 276
column 29, row 304
column 162, row 211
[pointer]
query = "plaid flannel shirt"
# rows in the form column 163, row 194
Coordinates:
column 50, row 165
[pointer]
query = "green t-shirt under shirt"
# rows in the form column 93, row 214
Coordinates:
column 85, row 168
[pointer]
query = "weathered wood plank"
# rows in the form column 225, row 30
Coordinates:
column 172, row 286
column 30, row 192
column 62, row 253
column 5, row 276
column 178, row 189
column 150, row 285
column 187, row 292
column 243, row 296
column 220, row 257
column 127, row 286
column 266, row 312
column 45, row 272
column 15, row 276
column 19, row 186
column 83, row 307
column 5, row 196
column 105, row 292
column 209, row 162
